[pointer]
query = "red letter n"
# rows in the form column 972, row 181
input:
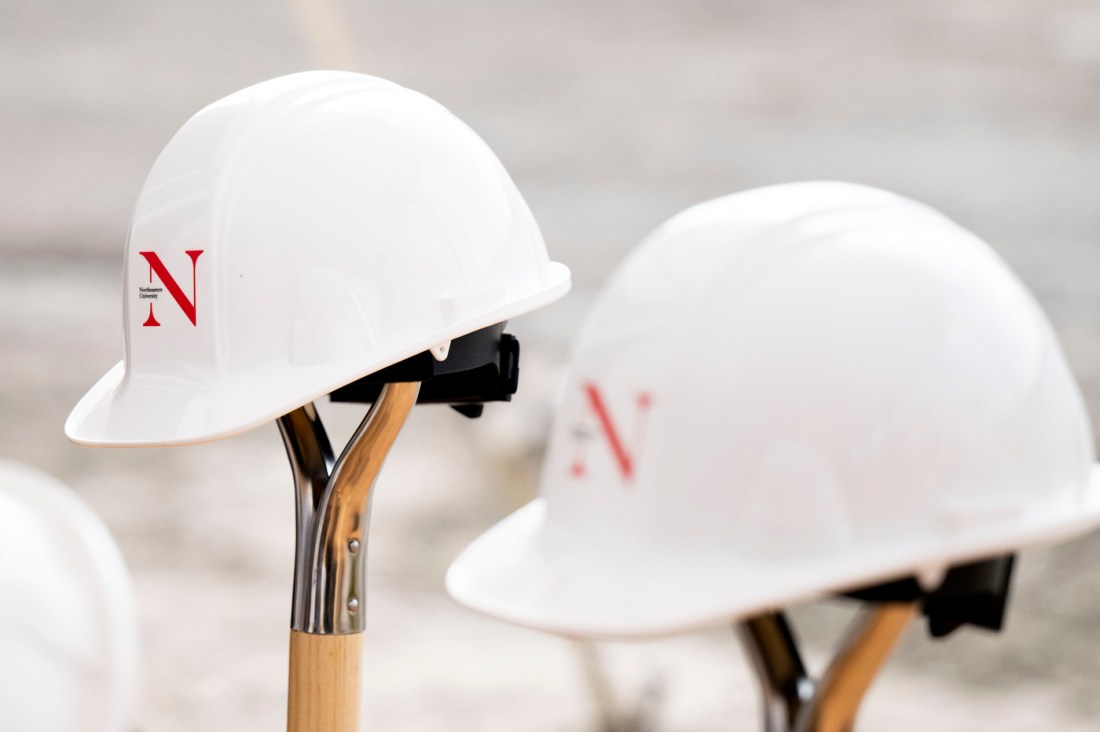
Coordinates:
column 157, row 266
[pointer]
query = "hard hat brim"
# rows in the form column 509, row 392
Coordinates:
column 518, row 573
column 124, row 411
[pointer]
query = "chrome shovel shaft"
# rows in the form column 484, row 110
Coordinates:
column 862, row 654
column 311, row 461
column 772, row 651
column 333, row 509
column 792, row 700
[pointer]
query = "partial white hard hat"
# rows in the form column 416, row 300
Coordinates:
column 784, row 393
column 296, row 236
column 68, row 626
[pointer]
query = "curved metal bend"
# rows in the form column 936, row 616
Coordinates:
column 785, row 685
column 864, row 650
column 311, row 461
column 793, row 702
column 339, row 555
column 334, row 509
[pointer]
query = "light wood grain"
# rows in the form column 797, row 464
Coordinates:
column 324, row 682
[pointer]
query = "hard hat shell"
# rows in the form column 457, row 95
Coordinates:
column 784, row 393
column 68, row 624
column 296, row 236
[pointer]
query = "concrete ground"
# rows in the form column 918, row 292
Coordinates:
column 611, row 117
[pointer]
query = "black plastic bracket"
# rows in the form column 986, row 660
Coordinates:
column 480, row 367
column 970, row 594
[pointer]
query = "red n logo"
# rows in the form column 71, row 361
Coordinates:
column 170, row 284
column 616, row 440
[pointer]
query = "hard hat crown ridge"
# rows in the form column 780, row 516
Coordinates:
column 298, row 235
column 787, row 392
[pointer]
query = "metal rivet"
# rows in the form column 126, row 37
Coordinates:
column 353, row 546
column 353, row 605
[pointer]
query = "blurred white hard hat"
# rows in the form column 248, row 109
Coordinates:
column 68, row 626
column 784, row 393
column 296, row 236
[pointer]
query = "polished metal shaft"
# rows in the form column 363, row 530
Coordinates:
column 333, row 509
column 772, row 651
column 792, row 700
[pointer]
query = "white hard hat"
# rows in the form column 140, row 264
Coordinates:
column 783, row 393
column 68, row 626
column 296, row 236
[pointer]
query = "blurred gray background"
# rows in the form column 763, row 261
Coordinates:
column 611, row 116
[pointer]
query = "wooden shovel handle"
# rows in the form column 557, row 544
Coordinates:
column 324, row 682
